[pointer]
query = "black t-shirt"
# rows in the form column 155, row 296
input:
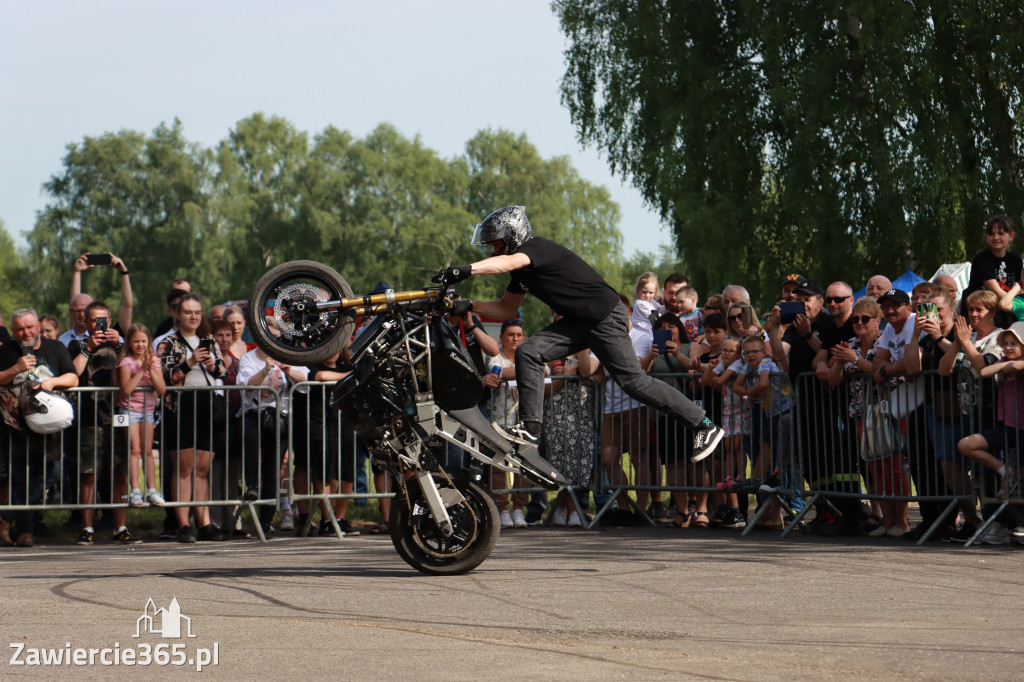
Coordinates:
column 5, row 336
column 100, row 371
column 321, row 413
column 985, row 266
column 801, row 355
column 166, row 325
column 50, row 354
column 563, row 281
column 831, row 335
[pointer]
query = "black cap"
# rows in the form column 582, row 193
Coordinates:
column 799, row 280
column 810, row 286
column 898, row 295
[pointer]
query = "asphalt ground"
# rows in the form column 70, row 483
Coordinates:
column 549, row 603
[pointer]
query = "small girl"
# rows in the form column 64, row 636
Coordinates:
column 139, row 367
column 645, row 292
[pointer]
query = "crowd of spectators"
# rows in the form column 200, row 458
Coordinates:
column 797, row 390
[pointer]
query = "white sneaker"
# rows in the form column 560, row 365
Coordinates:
column 878, row 532
column 1010, row 481
column 155, row 498
column 287, row 520
column 996, row 534
column 135, row 499
column 506, row 519
column 559, row 518
column 574, row 520
column 518, row 520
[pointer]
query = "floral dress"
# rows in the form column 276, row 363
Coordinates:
column 570, row 437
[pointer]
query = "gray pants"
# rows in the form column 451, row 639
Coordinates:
column 609, row 341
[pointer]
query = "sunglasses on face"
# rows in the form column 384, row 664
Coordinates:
column 738, row 316
column 835, row 299
column 863, row 319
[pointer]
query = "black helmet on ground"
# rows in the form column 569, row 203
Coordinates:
column 509, row 225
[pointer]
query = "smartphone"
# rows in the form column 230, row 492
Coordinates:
column 788, row 310
column 101, row 324
column 206, row 343
column 929, row 311
column 748, row 316
column 98, row 259
column 660, row 337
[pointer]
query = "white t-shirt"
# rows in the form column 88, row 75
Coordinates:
column 895, row 343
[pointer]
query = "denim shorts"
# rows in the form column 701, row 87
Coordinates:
column 139, row 417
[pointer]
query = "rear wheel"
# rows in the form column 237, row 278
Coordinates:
column 288, row 296
column 421, row 544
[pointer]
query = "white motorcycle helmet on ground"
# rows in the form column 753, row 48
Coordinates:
column 45, row 412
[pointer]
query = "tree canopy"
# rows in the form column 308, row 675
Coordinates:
column 384, row 207
column 837, row 139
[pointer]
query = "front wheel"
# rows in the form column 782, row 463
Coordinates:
column 285, row 319
column 421, row 544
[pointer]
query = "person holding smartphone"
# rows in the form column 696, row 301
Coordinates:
column 80, row 300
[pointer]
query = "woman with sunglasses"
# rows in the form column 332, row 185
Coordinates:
column 851, row 361
column 735, row 320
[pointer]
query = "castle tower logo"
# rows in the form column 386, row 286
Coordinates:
column 164, row 622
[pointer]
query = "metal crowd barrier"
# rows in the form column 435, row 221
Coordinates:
column 812, row 453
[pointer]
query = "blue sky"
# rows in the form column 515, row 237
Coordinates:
column 442, row 71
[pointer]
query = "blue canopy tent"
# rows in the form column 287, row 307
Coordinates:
column 905, row 282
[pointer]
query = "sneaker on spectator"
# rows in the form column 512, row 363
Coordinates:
column 657, row 511
column 995, row 534
column 167, row 534
column 155, row 498
column 125, row 537
column 347, row 528
column 1010, row 480
column 85, row 538
column 186, row 535
column 559, row 518
column 575, row 522
column 211, row 533
column 734, row 519
column 518, row 520
column 506, row 519
column 1017, row 532
column 770, row 485
column 961, row 534
column 287, row 520
column 135, row 499
column 879, row 532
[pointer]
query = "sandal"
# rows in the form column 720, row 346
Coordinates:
column 380, row 529
column 700, row 520
column 680, row 522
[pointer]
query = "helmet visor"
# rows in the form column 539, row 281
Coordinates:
column 482, row 235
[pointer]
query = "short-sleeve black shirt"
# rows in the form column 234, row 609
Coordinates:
column 50, row 354
column 563, row 281
column 801, row 355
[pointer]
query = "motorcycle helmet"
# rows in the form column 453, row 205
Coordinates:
column 508, row 224
column 48, row 413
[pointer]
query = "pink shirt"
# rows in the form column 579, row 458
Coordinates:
column 139, row 401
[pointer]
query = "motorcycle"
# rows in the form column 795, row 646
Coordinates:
column 413, row 388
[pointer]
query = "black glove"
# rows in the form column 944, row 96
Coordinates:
column 460, row 308
column 456, row 273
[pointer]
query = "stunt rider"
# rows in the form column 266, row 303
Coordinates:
column 592, row 317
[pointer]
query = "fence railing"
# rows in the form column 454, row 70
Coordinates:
column 807, row 450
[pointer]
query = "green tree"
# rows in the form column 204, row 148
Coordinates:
column 16, row 288
column 837, row 138
column 141, row 198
